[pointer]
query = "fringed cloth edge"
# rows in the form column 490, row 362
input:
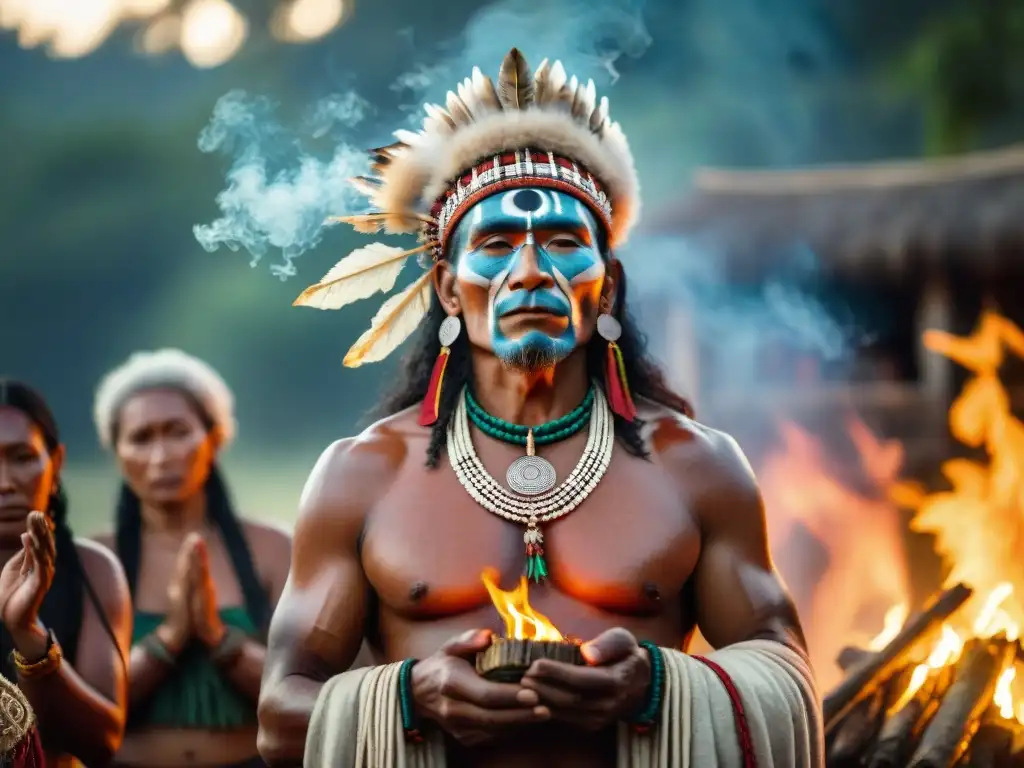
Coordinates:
column 752, row 704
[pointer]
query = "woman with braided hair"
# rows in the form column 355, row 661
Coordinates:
column 204, row 580
column 64, row 602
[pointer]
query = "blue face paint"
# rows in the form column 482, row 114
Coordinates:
column 530, row 272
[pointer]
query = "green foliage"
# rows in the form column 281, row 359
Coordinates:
column 967, row 68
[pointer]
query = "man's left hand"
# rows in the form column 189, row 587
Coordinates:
column 610, row 688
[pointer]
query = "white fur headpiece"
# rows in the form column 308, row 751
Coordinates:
column 169, row 368
column 533, row 129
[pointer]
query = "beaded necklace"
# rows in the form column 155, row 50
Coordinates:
column 544, row 434
column 531, row 474
column 541, row 506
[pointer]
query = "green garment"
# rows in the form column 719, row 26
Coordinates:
column 196, row 695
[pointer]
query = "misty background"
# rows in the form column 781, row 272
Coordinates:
column 148, row 202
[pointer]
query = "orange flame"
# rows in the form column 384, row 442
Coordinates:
column 521, row 621
column 804, row 487
column 979, row 523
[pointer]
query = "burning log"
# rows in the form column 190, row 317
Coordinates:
column 849, row 657
column 904, row 725
column 865, row 677
column 856, row 731
column 992, row 746
column 506, row 661
column 948, row 734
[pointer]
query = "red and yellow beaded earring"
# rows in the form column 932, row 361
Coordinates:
column 616, row 383
column 449, row 331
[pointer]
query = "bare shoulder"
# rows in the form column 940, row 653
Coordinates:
column 708, row 463
column 106, row 540
column 105, row 574
column 352, row 473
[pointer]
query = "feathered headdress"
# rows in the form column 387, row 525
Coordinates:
column 540, row 129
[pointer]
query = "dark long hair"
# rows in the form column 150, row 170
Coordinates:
column 219, row 510
column 645, row 377
column 63, row 607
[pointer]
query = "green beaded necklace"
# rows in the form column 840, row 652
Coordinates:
column 550, row 432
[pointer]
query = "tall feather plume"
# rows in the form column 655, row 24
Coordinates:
column 567, row 95
column 599, row 117
column 457, row 109
column 394, row 322
column 465, row 90
column 379, row 221
column 556, row 80
column 483, row 89
column 515, row 83
column 437, row 121
column 540, row 83
column 367, row 185
column 586, row 100
column 410, row 138
column 358, row 276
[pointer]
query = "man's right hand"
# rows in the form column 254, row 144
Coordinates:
column 447, row 689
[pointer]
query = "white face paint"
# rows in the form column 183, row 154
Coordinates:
column 558, row 236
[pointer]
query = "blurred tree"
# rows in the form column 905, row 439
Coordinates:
column 967, row 66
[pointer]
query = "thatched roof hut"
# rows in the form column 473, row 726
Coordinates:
column 864, row 221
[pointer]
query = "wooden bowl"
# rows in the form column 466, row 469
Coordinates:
column 507, row 660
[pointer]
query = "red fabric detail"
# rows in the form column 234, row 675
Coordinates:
column 742, row 727
column 29, row 753
column 432, row 400
column 618, row 396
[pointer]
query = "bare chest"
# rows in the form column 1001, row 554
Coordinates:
column 629, row 548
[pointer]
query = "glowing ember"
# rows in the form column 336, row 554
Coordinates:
column 521, row 621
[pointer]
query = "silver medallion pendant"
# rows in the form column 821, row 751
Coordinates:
column 530, row 476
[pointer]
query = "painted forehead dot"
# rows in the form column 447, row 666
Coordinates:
column 521, row 203
column 527, row 200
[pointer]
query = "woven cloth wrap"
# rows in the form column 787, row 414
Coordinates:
column 750, row 705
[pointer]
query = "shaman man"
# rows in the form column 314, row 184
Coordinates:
column 533, row 436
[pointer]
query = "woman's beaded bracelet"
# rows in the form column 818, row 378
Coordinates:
column 48, row 664
column 647, row 717
column 155, row 647
column 406, row 703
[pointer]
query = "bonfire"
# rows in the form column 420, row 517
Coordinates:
column 943, row 687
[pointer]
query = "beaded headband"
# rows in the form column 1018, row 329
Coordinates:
column 526, row 168
column 540, row 129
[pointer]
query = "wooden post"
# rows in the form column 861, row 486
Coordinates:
column 934, row 312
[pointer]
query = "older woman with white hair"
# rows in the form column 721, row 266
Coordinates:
column 204, row 581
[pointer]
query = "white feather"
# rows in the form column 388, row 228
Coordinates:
column 394, row 322
column 465, row 89
column 556, row 80
column 484, row 93
column 359, row 275
column 412, row 138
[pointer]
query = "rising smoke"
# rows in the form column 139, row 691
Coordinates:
column 734, row 60
column 278, row 195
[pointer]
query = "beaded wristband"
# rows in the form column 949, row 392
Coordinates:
column 230, row 648
column 155, row 647
column 49, row 664
column 648, row 716
column 405, row 701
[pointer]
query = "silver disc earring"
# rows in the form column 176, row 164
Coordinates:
column 449, row 331
column 608, row 327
